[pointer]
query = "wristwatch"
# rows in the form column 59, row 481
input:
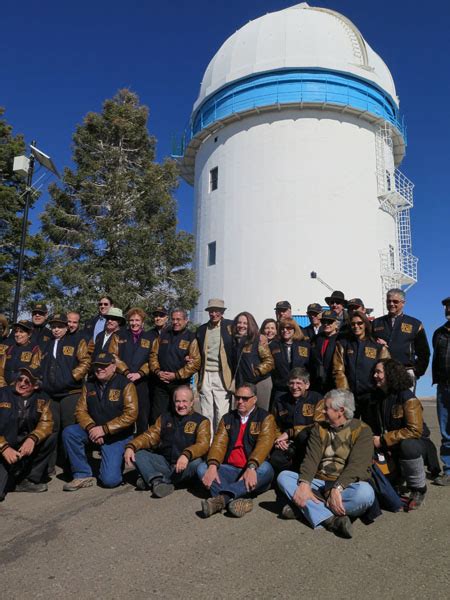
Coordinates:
column 338, row 487
column 252, row 466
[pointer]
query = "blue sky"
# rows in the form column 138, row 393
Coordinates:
column 61, row 60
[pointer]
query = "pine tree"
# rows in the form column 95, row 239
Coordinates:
column 12, row 202
column 112, row 228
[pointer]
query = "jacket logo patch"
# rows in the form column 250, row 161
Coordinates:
column 40, row 404
column 378, row 328
column 3, row 348
column 68, row 350
column 25, row 356
column 350, row 351
column 227, row 426
column 406, row 328
column 183, row 345
column 397, row 411
column 255, row 428
column 114, row 395
column 308, row 410
column 5, row 404
column 121, row 341
column 370, row 352
column 145, row 343
column 93, row 393
column 303, row 351
column 190, row 427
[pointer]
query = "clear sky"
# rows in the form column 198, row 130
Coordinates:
column 60, row 60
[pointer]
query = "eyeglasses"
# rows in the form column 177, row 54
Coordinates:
column 159, row 315
column 287, row 329
column 334, row 303
column 103, row 304
column 243, row 398
column 357, row 324
column 327, row 322
column 24, row 380
column 394, row 301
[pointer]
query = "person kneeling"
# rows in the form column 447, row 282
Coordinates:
column 26, row 439
column 170, row 451
column 236, row 463
column 105, row 414
column 332, row 486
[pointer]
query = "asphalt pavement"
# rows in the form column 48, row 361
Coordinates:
column 108, row 544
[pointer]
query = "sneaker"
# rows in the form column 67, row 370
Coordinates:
column 213, row 505
column 29, row 486
column 78, row 484
column 340, row 526
column 240, row 507
column 442, row 480
column 162, row 489
column 288, row 512
column 416, row 499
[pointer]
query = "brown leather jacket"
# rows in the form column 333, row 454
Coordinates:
column 123, row 421
column 42, row 430
column 152, row 438
column 265, row 432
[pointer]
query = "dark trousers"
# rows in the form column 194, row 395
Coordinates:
column 33, row 467
column 63, row 411
column 290, row 459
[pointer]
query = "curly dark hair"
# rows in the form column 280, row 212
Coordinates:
column 396, row 376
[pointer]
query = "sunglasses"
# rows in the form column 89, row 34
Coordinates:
column 394, row 301
column 287, row 329
column 103, row 303
column 357, row 324
column 24, row 380
column 159, row 315
column 243, row 398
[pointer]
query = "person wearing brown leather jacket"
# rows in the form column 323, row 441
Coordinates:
column 26, row 439
column 237, row 461
column 106, row 413
column 170, row 451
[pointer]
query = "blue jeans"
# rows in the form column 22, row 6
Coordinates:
column 357, row 498
column 230, row 484
column 154, row 466
column 75, row 440
column 443, row 407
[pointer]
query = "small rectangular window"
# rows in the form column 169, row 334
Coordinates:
column 213, row 179
column 211, row 254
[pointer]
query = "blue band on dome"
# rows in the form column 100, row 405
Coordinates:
column 296, row 86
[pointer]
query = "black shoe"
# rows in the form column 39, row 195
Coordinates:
column 28, row 486
column 161, row 489
column 141, row 485
column 340, row 526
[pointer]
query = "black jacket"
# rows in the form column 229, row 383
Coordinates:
column 177, row 434
column 16, row 357
column 64, row 374
column 292, row 415
column 41, row 336
column 300, row 357
column 407, row 341
column 322, row 365
column 441, row 355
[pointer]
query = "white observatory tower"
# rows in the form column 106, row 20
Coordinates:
column 292, row 149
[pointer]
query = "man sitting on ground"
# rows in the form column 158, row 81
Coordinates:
column 105, row 414
column 170, row 451
column 26, row 439
column 332, row 485
column 236, row 464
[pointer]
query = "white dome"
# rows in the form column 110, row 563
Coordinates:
column 297, row 37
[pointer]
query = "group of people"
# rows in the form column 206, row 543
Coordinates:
column 309, row 410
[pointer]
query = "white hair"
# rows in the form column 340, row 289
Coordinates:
column 342, row 399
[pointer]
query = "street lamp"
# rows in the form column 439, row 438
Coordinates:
column 25, row 166
column 314, row 275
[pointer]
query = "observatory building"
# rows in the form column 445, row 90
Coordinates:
column 293, row 149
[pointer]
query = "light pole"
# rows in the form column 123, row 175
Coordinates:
column 24, row 165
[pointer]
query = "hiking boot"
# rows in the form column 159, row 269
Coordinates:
column 162, row 489
column 416, row 499
column 340, row 526
column 240, row 506
column 78, row 484
column 442, row 480
column 213, row 505
column 29, row 486
column 288, row 512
